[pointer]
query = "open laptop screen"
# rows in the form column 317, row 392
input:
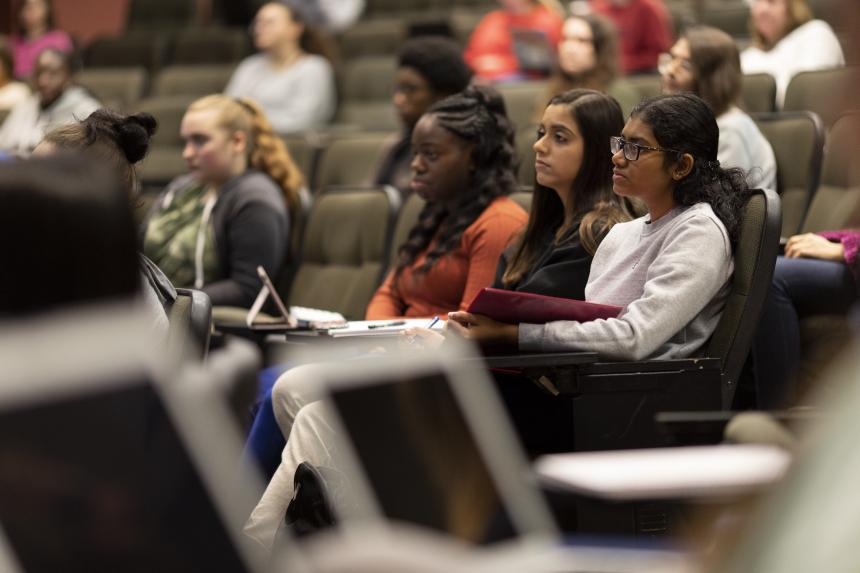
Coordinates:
column 421, row 458
column 101, row 481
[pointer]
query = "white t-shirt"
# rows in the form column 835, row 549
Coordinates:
column 812, row 46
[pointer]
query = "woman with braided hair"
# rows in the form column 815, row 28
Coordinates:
column 463, row 166
column 211, row 228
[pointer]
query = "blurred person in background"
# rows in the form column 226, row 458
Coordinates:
column 12, row 92
column 211, row 228
column 57, row 101
column 492, row 50
column 121, row 142
column 705, row 61
column 291, row 79
column 787, row 40
column 587, row 58
column 66, row 236
column 428, row 70
column 34, row 33
column 644, row 27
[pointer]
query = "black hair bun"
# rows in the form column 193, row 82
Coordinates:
column 133, row 135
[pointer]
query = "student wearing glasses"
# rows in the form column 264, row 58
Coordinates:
column 705, row 61
column 670, row 269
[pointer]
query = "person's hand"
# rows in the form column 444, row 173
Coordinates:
column 422, row 338
column 812, row 246
column 483, row 330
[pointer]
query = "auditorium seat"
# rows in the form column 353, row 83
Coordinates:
column 134, row 48
column 522, row 100
column 164, row 161
column 648, row 85
column 829, row 93
column 160, row 14
column 368, row 115
column 350, row 159
column 368, row 78
column 406, row 219
column 526, row 137
column 345, row 249
column 119, row 88
column 193, row 80
column 758, row 93
column 377, row 37
column 730, row 16
column 797, row 139
column 190, row 318
column 305, row 150
column 210, row 46
column 835, row 206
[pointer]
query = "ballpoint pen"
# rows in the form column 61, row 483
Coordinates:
column 387, row 324
column 433, row 322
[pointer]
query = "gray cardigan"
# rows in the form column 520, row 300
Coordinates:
column 251, row 227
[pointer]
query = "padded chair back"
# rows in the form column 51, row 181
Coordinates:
column 522, row 100
column 836, row 204
column 625, row 94
column 754, row 259
column 648, row 85
column 406, row 220
column 192, row 80
column 377, row 37
column 345, row 249
column 368, row 78
column 305, row 152
column 209, row 46
column 526, row 137
column 758, row 93
column 138, row 48
column 190, row 319
column 732, row 16
column 797, row 139
column 160, row 14
column 294, row 249
column 524, row 197
column 350, row 159
column 164, row 160
column 829, row 93
column 123, row 86
column 368, row 115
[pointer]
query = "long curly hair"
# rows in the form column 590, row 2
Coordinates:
column 266, row 151
column 594, row 207
column 685, row 123
column 477, row 116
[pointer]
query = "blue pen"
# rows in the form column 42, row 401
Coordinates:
column 433, row 322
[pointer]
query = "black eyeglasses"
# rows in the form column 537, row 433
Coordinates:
column 632, row 150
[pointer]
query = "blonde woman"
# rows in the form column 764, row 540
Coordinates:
column 211, row 228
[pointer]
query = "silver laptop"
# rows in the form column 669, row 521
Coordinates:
column 111, row 458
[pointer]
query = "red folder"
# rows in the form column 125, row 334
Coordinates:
column 515, row 307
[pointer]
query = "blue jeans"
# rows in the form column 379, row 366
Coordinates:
column 800, row 288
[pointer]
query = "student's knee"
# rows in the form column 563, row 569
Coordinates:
column 293, row 390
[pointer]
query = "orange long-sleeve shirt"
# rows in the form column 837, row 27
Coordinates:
column 456, row 278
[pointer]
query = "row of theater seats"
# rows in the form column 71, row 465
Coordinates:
column 343, row 156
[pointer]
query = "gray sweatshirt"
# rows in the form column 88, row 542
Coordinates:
column 672, row 278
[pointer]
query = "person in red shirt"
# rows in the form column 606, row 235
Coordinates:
column 492, row 50
column 644, row 28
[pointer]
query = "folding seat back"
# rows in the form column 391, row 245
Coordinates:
column 120, row 87
column 164, row 160
column 350, row 159
column 345, row 249
column 368, row 115
column 377, row 37
column 526, row 137
column 368, row 78
column 137, row 48
column 190, row 323
column 522, row 101
column 210, row 46
column 192, row 80
column 160, row 14
column 523, row 198
column 829, row 93
column 797, row 139
column 406, row 220
column 647, row 85
column 758, row 93
column 836, row 204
